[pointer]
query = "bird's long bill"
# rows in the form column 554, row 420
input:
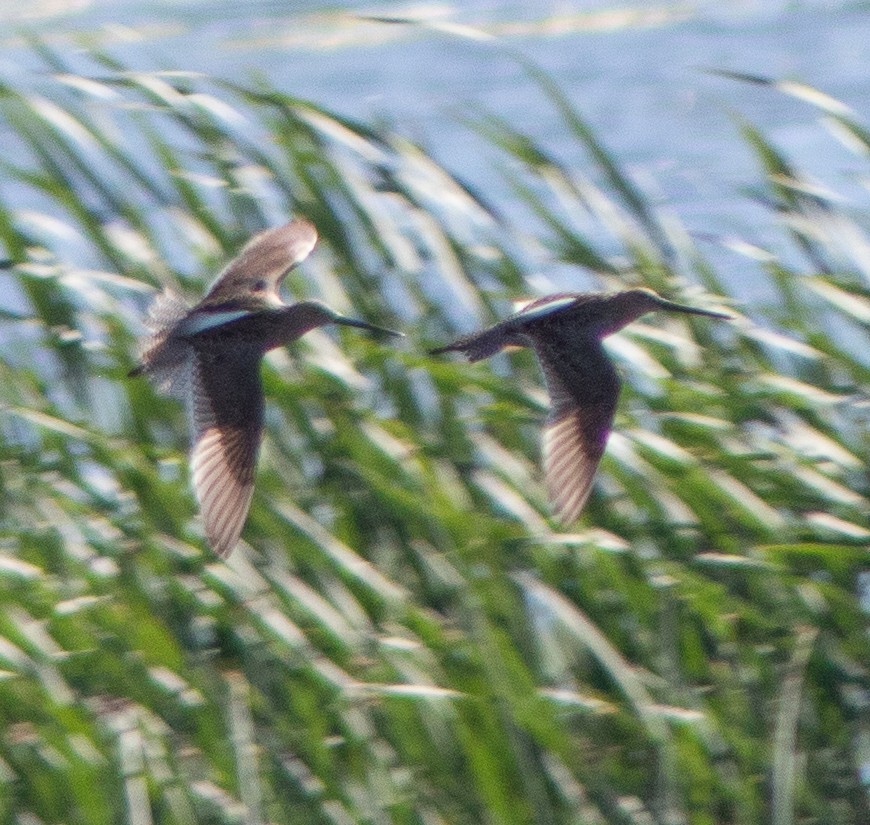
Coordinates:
column 352, row 322
column 674, row 307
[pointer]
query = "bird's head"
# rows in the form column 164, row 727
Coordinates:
column 629, row 305
column 297, row 319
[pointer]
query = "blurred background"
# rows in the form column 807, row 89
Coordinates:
column 404, row 634
column 636, row 68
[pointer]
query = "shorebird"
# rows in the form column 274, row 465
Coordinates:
column 210, row 354
column 565, row 331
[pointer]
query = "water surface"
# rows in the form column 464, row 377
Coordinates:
column 634, row 69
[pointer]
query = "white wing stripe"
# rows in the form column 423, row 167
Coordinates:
column 201, row 321
column 548, row 308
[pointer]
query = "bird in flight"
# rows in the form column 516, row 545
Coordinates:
column 565, row 330
column 210, row 354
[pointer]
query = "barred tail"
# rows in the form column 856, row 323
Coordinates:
column 167, row 362
column 166, row 310
column 164, row 358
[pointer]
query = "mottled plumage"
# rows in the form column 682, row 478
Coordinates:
column 566, row 330
column 210, row 356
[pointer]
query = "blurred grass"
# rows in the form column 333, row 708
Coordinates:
column 406, row 636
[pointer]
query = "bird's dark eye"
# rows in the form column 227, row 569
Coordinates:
column 259, row 286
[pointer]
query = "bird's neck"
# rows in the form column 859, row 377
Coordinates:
column 615, row 314
column 291, row 322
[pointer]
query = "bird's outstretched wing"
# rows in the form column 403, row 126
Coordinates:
column 583, row 388
column 227, row 420
column 256, row 273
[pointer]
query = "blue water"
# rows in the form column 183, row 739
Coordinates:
column 634, row 69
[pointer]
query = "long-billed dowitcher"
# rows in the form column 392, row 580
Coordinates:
column 210, row 354
column 565, row 331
